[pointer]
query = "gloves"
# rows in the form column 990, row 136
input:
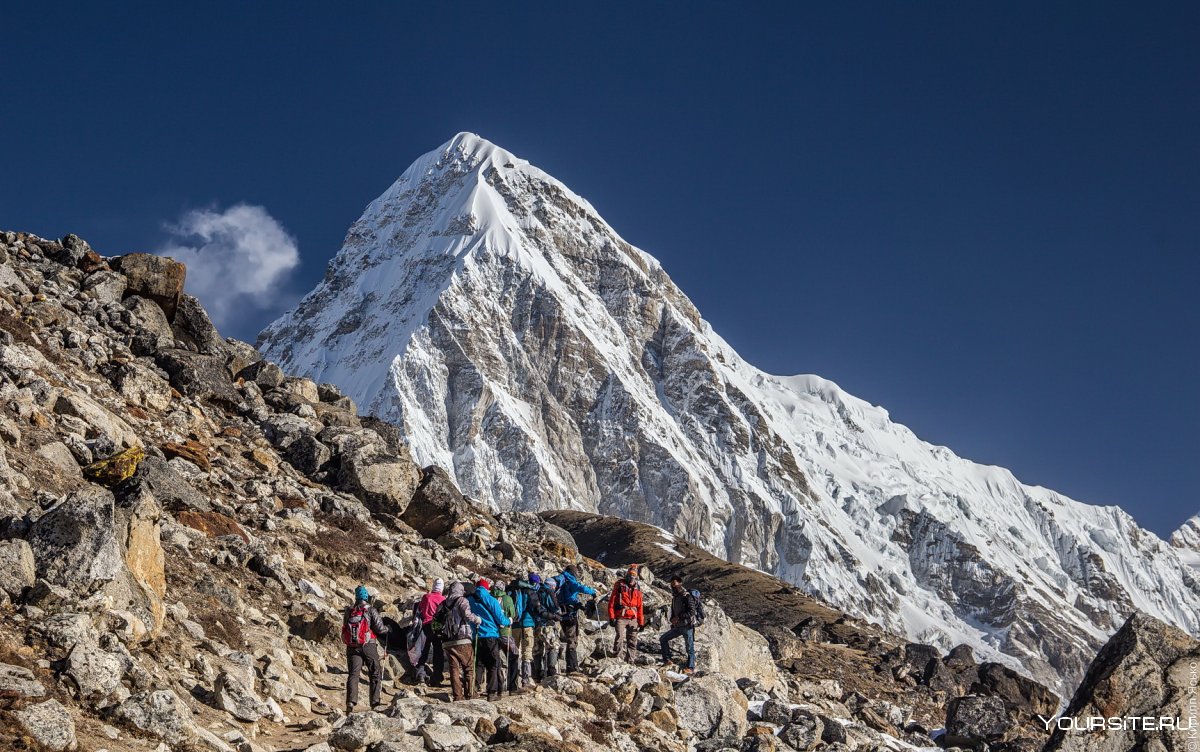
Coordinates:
column 612, row 622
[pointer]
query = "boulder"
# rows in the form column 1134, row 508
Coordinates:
column 195, row 329
column 436, row 505
column 726, row 647
column 1018, row 692
column 18, row 571
column 75, row 543
column 307, row 454
column 163, row 714
column 155, row 277
column 139, row 518
column 71, row 250
column 141, row 385
column 1146, row 669
column 149, row 319
column 975, row 720
column 264, row 373
column 383, row 482
column 100, row 420
column 116, row 469
column 804, row 731
column 232, row 695
column 18, row 681
column 711, row 705
column 105, row 286
column 439, row 738
column 360, row 730
column 49, row 724
column 200, row 376
column 171, row 490
column 95, row 672
column 57, row 454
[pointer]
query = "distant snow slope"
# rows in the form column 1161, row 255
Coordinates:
column 1187, row 542
column 549, row 364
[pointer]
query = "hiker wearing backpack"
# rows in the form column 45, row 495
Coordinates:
column 686, row 613
column 523, row 591
column 546, row 617
column 361, row 629
column 626, row 614
column 455, row 623
column 423, row 614
column 506, row 647
column 569, row 590
column 487, row 633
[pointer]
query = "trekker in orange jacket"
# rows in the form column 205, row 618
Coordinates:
column 626, row 614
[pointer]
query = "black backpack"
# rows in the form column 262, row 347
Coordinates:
column 699, row 604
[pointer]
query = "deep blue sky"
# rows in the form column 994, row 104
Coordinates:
column 985, row 217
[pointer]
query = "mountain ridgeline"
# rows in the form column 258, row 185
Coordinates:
column 522, row 344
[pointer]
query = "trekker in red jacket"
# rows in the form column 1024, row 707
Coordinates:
column 625, row 613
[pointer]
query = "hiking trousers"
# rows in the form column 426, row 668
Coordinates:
column 356, row 656
column 689, row 638
column 524, row 639
column 433, row 648
column 625, row 640
column 489, row 659
column 570, row 638
column 460, row 660
column 545, row 651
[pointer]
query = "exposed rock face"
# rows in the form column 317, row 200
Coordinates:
column 50, row 725
column 75, row 543
column 1146, row 670
column 975, row 721
column 546, row 363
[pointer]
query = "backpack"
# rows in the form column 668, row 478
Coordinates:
column 700, row 616
column 356, row 627
column 451, row 621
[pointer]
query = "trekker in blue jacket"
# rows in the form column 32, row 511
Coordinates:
column 569, row 590
column 487, row 633
column 522, row 590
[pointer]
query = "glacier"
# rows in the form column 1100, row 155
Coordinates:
column 547, row 363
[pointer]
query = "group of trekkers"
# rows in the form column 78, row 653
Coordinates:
column 507, row 637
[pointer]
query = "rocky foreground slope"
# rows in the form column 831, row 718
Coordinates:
column 180, row 522
column 547, row 363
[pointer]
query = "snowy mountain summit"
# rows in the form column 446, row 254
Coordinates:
column 550, row 364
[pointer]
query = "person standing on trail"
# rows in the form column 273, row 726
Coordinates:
column 523, row 591
column 505, row 647
column 361, row 629
column 626, row 614
column 455, row 624
column 569, row 590
column 487, row 633
column 684, row 615
column 424, row 611
column 546, row 617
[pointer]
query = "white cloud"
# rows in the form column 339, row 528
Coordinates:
column 237, row 260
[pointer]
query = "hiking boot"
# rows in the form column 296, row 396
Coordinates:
column 689, row 671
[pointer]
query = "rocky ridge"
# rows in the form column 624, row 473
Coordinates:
column 181, row 520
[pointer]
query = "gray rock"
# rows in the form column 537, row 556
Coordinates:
column 148, row 318
column 71, row 250
column 57, row 454
column 973, row 720
column 18, row 570
column 360, row 730
column 17, row 680
column 384, row 483
column 1018, row 692
column 100, row 420
column 200, row 376
column 264, row 373
column 440, row 738
column 804, row 731
column 155, row 277
column 75, row 543
column 105, row 286
column 140, row 385
column 233, row 696
column 64, row 630
column 307, row 454
column 95, row 672
column 169, row 487
column 436, row 505
column 49, row 724
column 711, row 705
column 160, row 713
column 193, row 327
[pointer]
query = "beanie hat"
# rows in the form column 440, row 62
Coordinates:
column 483, row 583
column 534, row 579
column 361, row 593
column 438, row 585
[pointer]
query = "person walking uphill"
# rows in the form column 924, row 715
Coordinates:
column 424, row 611
column 456, row 625
column 569, row 590
column 546, row 617
column 523, row 591
column 626, row 614
column 487, row 633
column 684, row 612
column 361, row 629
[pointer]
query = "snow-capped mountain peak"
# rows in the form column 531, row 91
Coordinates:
column 547, row 363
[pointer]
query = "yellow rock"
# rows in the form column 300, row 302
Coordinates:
column 120, row 467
